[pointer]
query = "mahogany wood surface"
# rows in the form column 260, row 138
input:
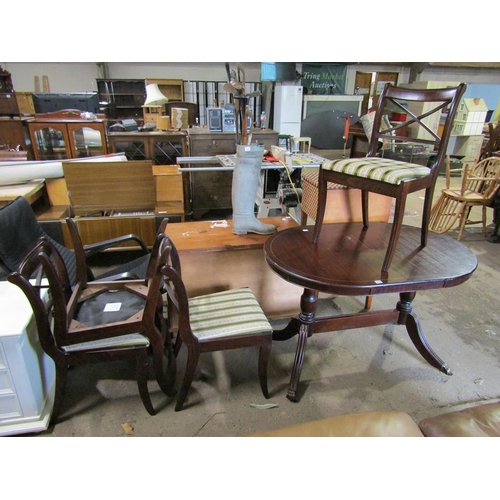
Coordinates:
column 217, row 235
column 347, row 260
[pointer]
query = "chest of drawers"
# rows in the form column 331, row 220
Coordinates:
column 27, row 374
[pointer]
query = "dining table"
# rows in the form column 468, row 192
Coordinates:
column 347, row 260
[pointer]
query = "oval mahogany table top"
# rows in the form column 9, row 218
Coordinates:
column 347, row 259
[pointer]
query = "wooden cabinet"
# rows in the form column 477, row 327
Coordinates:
column 211, row 190
column 162, row 147
column 27, row 374
column 173, row 90
column 14, row 133
column 126, row 97
column 8, row 104
column 64, row 134
column 170, row 88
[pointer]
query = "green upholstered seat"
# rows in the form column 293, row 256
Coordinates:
column 223, row 314
column 381, row 169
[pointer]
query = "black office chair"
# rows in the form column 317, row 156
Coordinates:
column 20, row 230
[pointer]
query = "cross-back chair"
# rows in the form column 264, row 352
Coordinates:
column 477, row 188
column 391, row 177
column 213, row 322
column 97, row 322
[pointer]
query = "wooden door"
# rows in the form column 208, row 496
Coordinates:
column 362, row 84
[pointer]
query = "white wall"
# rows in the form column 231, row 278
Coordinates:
column 81, row 76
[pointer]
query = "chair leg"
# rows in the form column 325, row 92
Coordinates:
column 265, row 350
column 60, row 389
column 171, row 360
column 368, row 302
column 463, row 219
column 303, row 218
column 426, row 215
column 320, row 214
column 395, row 232
column 157, row 349
column 364, row 208
column 141, row 368
column 192, row 363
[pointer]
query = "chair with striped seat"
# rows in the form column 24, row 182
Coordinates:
column 217, row 321
column 395, row 177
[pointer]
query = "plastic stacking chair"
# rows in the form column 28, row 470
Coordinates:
column 478, row 186
column 395, row 177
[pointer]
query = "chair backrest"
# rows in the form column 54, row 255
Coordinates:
column 434, row 103
column 176, row 294
column 177, row 303
column 51, row 315
column 483, row 178
column 492, row 146
column 20, row 231
column 156, row 251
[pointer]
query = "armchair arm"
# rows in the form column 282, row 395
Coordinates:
column 94, row 248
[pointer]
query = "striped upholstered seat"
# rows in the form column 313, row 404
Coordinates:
column 217, row 321
column 391, row 177
column 381, row 169
column 223, row 314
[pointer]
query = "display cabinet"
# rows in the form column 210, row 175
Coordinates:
column 163, row 147
column 65, row 134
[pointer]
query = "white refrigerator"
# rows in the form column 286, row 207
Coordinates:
column 287, row 109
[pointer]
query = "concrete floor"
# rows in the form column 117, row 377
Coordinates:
column 345, row 372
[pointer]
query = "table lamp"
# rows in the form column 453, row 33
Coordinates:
column 155, row 101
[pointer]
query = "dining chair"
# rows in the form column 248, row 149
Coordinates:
column 393, row 177
column 96, row 323
column 478, row 186
column 217, row 321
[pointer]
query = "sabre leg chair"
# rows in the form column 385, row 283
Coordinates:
column 391, row 177
column 76, row 325
column 478, row 186
column 214, row 322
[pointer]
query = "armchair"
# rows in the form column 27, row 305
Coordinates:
column 82, row 323
column 478, row 187
column 20, row 231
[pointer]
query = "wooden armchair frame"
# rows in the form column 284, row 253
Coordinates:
column 478, row 186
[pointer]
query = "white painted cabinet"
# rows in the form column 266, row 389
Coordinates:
column 27, row 374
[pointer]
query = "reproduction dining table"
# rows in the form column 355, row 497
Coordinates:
column 347, row 260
